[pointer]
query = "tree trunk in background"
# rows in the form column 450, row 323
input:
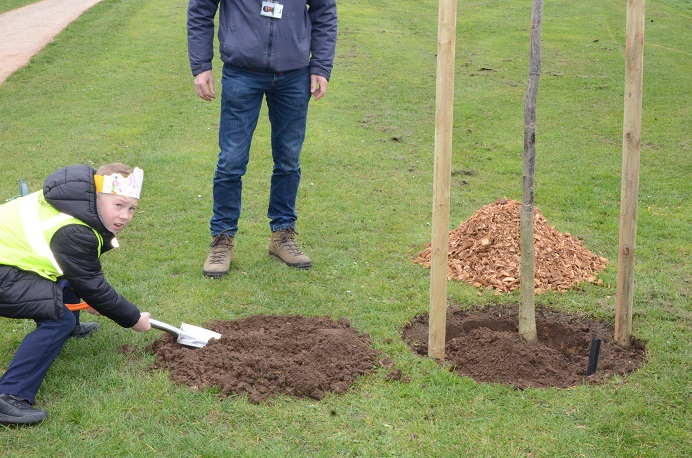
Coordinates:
column 527, row 306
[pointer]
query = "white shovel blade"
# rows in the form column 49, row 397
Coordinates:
column 194, row 336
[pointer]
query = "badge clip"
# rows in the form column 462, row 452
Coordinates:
column 272, row 9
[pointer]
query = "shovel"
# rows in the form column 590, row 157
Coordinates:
column 188, row 335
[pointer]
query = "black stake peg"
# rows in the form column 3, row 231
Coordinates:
column 593, row 355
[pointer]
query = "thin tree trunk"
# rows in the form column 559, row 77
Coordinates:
column 527, row 306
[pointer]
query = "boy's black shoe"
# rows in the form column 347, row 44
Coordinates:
column 17, row 411
column 85, row 329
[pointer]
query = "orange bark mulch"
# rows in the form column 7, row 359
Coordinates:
column 485, row 252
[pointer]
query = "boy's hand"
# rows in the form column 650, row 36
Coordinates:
column 143, row 324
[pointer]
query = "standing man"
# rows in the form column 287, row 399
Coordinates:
column 280, row 50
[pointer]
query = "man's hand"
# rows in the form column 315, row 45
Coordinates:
column 318, row 86
column 204, row 85
column 143, row 324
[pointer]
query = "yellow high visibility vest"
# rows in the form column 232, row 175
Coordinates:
column 27, row 225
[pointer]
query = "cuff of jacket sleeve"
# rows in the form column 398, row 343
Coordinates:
column 197, row 69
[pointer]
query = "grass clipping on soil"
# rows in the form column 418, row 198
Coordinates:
column 485, row 252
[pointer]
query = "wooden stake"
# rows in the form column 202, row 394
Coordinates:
column 631, row 136
column 446, row 43
column 527, row 306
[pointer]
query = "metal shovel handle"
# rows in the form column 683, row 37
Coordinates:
column 184, row 338
column 165, row 327
column 154, row 323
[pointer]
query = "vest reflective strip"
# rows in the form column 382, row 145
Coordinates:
column 33, row 229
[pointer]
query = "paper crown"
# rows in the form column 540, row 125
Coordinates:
column 117, row 184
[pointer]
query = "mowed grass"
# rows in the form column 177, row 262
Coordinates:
column 115, row 86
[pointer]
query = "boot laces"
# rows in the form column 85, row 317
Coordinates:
column 220, row 247
column 288, row 240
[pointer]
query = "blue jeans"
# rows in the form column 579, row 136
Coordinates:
column 287, row 96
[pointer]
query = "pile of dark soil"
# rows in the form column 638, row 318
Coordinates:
column 485, row 345
column 485, row 252
column 265, row 356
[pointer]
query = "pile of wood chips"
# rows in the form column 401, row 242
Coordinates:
column 485, row 252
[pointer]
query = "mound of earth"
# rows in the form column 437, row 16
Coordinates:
column 266, row 356
column 485, row 345
column 485, row 252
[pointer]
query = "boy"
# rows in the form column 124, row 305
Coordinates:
column 53, row 239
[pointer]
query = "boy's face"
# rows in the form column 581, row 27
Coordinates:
column 115, row 211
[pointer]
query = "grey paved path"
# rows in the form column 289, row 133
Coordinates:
column 25, row 31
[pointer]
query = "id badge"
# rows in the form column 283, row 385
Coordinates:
column 272, row 9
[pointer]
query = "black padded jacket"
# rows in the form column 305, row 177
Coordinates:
column 71, row 190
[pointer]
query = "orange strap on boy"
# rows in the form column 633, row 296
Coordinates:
column 76, row 307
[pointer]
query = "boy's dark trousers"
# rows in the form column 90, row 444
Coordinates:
column 36, row 353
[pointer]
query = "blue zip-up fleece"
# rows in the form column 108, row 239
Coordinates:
column 304, row 35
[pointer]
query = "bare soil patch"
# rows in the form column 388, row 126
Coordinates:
column 485, row 345
column 267, row 355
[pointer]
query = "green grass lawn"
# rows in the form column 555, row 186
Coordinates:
column 116, row 86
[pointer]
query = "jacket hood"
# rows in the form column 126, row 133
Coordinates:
column 72, row 190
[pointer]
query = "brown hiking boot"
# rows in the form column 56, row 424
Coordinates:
column 219, row 260
column 283, row 247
